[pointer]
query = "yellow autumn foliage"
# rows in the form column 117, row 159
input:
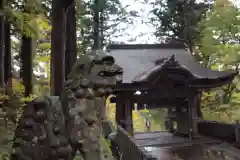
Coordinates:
column 17, row 85
column 139, row 121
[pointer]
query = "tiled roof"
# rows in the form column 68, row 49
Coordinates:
column 135, row 59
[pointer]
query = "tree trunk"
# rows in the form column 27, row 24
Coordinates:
column 1, row 46
column 71, row 40
column 26, row 60
column 96, row 26
column 101, row 19
column 8, row 54
column 58, row 47
column 188, row 34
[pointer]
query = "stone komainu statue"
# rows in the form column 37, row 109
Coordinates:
column 54, row 128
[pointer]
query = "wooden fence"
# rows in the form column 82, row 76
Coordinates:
column 128, row 148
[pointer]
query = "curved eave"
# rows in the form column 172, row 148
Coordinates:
column 214, row 83
column 151, row 75
column 204, row 78
column 202, row 73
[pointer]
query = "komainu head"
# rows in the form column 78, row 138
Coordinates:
column 96, row 69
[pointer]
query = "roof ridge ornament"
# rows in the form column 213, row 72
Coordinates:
column 170, row 62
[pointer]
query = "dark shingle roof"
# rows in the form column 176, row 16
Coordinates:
column 138, row 58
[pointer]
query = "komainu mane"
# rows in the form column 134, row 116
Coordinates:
column 54, row 128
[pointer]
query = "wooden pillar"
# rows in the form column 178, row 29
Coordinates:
column 124, row 107
column 119, row 110
column 128, row 120
column 182, row 119
column 187, row 116
column 237, row 133
column 198, row 103
column 193, row 99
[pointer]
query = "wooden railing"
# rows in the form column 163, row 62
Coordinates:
column 128, row 148
column 225, row 132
